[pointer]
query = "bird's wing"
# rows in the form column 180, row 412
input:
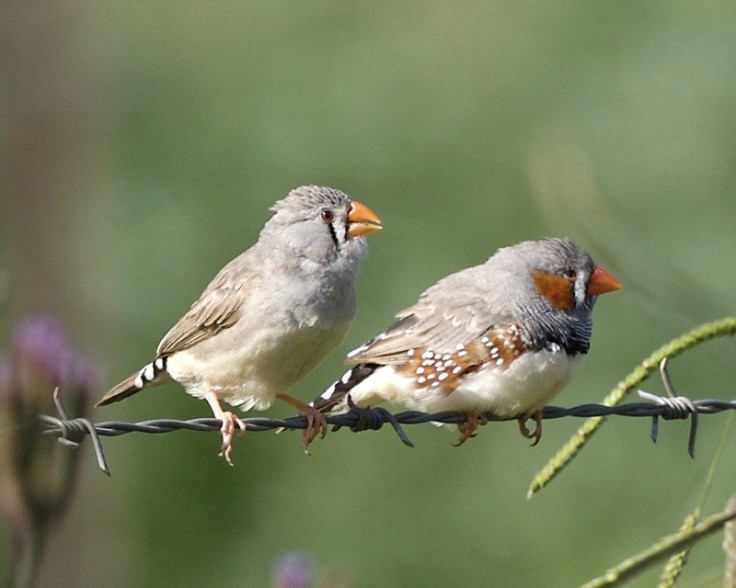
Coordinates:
column 219, row 307
column 434, row 323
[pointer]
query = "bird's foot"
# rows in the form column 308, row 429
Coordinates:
column 316, row 425
column 536, row 434
column 316, row 421
column 229, row 425
column 467, row 429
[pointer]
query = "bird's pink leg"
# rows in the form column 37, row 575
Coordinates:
column 316, row 422
column 229, row 422
column 467, row 429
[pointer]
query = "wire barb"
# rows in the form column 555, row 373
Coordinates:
column 73, row 431
column 675, row 407
column 373, row 419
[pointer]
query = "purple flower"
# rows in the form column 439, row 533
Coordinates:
column 41, row 356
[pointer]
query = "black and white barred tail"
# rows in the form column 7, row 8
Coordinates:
column 334, row 398
column 151, row 373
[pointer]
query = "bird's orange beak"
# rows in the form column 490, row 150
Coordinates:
column 601, row 282
column 362, row 220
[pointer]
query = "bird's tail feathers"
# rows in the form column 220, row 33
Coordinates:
column 151, row 373
column 334, row 399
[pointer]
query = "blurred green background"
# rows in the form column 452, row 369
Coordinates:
column 143, row 143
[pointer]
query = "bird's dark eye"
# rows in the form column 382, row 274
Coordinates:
column 327, row 215
column 570, row 274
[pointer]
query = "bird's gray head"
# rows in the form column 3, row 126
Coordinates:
column 320, row 225
column 559, row 284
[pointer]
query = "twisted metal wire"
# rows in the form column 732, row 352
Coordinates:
column 71, row 432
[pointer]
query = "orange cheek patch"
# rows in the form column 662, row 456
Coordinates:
column 556, row 289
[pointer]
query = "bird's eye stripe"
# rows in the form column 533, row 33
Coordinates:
column 333, row 234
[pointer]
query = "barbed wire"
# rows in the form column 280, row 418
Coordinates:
column 71, row 432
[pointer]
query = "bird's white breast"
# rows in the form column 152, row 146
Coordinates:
column 248, row 367
column 529, row 383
